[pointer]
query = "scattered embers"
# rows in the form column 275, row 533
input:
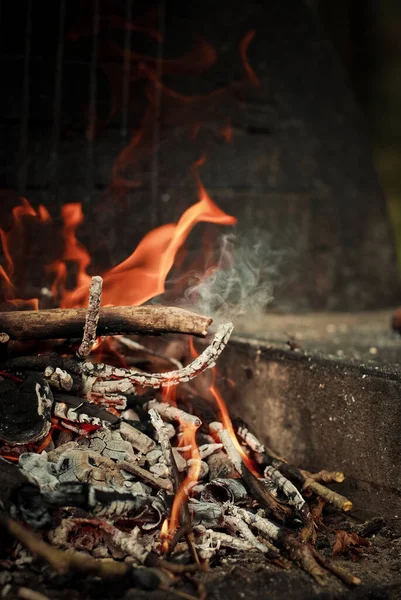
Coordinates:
column 103, row 468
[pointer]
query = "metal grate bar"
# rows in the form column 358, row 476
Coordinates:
column 92, row 101
column 25, row 105
column 58, row 88
column 126, row 69
column 156, row 216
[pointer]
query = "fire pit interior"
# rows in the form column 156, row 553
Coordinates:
column 170, row 172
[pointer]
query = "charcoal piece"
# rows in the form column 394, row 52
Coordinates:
column 25, row 410
column 76, row 408
column 224, row 490
column 39, row 363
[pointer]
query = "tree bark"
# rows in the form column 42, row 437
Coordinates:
column 69, row 323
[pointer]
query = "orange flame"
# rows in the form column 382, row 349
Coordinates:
column 169, row 395
column 227, row 424
column 188, row 439
column 244, row 45
column 152, row 260
column 164, row 535
column 13, row 244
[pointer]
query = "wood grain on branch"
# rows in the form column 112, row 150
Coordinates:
column 113, row 320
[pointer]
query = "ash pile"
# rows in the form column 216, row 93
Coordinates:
column 118, row 472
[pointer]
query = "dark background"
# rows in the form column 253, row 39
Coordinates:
column 298, row 172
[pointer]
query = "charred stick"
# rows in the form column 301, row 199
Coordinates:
column 138, row 440
column 255, row 487
column 236, row 525
column 152, row 480
column 113, row 320
column 303, row 478
column 166, row 448
column 92, row 318
column 341, row 573
column 40, row 363
column 291, row 492
column 171, row 413
column 206, row 360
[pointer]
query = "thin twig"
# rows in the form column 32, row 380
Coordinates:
column 92, row 318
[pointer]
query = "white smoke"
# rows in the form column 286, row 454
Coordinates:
column 241, row 283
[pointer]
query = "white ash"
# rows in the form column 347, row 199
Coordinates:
column 89, row 467
column 225, row 438
column 138, row 488
column 108, row 443
column 181, row 463
column 164, row 440
column 129, row 415
column 171, row 413
column 170, row 429
column 160, row 469
column 39, row 470
column 109, row 386
column 265, row 526
column 45, row 401
column 237, row 525
column 55, row 454
column 130, row 544
column 293, row 495
column 206, row 450
column 209, row 541
column 154, row 456
column 249, row 439
column 138, row 440
column 59, row 378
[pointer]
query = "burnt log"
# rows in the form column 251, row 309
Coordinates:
column 113, row 320
column 25, row 410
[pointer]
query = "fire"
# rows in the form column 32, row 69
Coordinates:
column 14, row 243
column 188, row 439
column 151, row 261
column 164, row 535
column 169, row 395
column 227, row 424
column 244, row 51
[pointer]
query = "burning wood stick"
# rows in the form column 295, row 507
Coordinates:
column 294, row 496
column 92, row 318
column 165, row 445
column 171, row 413
column 204, row 361
column 254, row 486
column 113, row 320
column 152, row 480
